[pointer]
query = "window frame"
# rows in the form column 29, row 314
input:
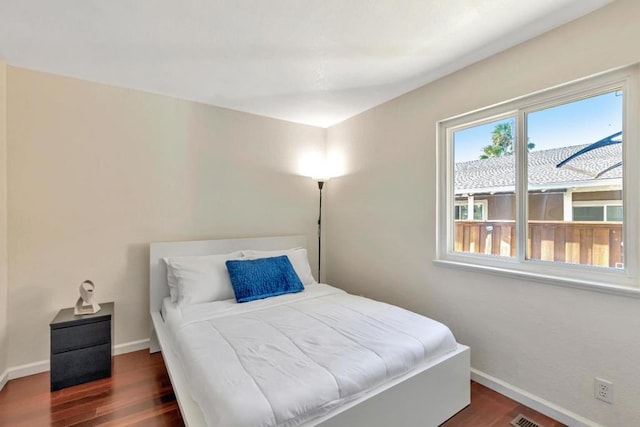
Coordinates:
column 620, row 281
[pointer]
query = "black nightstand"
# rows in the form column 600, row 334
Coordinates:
column 81, row 346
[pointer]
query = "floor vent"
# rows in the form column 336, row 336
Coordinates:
column 522, row 421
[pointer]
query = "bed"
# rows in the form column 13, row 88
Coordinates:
column 207, row 341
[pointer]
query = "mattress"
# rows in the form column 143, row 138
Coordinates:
column 286, row 360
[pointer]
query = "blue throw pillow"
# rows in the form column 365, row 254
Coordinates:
column 262, row 278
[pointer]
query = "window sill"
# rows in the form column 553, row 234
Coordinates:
column 625, row 291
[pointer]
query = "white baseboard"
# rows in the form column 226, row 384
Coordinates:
column 28, row 369
column 3, row 379
column 129, row 347
column 44, row 365
column 532, row 401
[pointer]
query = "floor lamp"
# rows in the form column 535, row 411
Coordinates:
column 321, row 182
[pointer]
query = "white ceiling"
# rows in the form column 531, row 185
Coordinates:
column 310, row 61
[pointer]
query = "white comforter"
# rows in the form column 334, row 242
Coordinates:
column 283, row 361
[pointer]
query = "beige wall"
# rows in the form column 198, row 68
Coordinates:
column 547, row 340
column 3, row 220
column 96, row 173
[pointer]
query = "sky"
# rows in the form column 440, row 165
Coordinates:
column 576, row 123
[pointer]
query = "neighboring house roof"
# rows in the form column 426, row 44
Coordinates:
column 498, row 173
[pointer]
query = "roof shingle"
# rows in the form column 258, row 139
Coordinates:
column 542, row 170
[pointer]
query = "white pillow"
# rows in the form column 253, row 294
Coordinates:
column 172, row 281
column 297, row 256
column 200, row 279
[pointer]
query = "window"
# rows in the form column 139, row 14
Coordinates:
column 598, row 211
column 547, row 179
column 461, row 210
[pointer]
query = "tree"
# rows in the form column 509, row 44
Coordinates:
column 501, row 142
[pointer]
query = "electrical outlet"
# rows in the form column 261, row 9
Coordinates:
column 604, row 390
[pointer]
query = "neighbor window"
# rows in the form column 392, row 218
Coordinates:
column 547, row 179
column 589, row 211
column 461, row 211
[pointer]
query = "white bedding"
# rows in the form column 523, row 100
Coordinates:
column 286, row 360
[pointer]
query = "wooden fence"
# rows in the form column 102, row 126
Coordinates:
column 590, row 243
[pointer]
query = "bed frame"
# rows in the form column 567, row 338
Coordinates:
column 427, row 396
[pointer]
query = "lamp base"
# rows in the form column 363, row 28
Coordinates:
column 81, row 309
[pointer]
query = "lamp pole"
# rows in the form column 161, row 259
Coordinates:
column 320, row 185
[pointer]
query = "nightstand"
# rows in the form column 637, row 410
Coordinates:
column 81, row 346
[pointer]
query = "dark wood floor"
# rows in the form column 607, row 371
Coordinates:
column 492, row 409
column 139, row 394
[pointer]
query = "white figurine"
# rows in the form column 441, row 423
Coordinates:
column 86, row 304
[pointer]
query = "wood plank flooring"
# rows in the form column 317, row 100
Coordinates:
column 139, row 394
column 491, row 409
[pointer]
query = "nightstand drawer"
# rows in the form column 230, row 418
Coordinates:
column 79, row 366
column 81, row 336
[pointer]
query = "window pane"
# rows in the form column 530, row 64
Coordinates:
column 477, row 212
column 614, row 213
column 588, row 213
column 575, row 155
column 462, row 212
column 485, row 169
